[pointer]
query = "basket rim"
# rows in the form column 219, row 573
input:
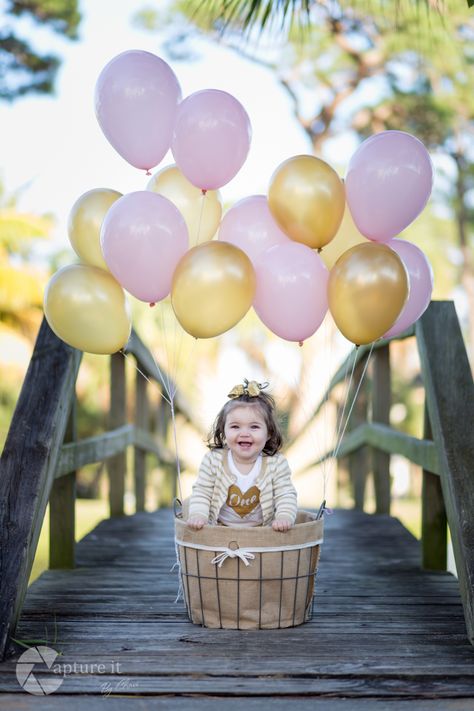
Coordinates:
column 251, row 536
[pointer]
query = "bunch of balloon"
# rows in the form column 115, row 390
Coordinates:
column 214, row 283
column 381, row 287
column 83, row 303
column 139, row 109
column 304, row 209
column 146, row 235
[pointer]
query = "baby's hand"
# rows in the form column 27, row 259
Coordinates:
column 281, row 525
column 196, row 522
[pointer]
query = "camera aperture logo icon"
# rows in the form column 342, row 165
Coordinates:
column 39, row 685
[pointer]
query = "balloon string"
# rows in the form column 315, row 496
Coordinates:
column 355, row 398
column 175, row 437
column 162, row 378
column 315, row 442
column 327, row 463
column 346, row 397
column 165, row 341
column 204, row 193
column 144, row 376
column 171, row 389
column 172, row 392
column 177, row 352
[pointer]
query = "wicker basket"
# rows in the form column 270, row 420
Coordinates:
column 249, row 578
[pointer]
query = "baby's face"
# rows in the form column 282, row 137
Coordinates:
column 246, row 432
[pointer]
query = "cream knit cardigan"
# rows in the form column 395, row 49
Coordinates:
column 277, row 493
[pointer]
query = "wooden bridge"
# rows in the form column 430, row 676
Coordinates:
column 391, row 628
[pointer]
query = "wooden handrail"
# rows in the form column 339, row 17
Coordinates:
column 341, row 373
column 148, row 366
column 450, row 404
column 28, row 464
column 41, row 457
column 76, row 455
column 389, row 440
column 446, row 453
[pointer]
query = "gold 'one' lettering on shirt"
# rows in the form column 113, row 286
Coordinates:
column 243, row 503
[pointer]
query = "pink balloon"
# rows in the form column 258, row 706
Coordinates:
column 136, row 100
column 291, row 297
column 250, row 225
column 388, row 183
column 143, row 237
column 421, row 284
column 211, row 138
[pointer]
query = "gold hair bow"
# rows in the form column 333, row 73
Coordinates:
column 252, row 388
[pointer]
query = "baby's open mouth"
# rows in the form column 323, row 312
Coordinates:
column 246, row 445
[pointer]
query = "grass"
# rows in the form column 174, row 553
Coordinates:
column 89, row 512
column 409, row 513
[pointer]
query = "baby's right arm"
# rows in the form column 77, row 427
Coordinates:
column 201, row 497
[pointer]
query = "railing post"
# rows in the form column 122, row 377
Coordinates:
column 62, row 509
column 141, row 421
column 381, row 401
column 434, row 527
column 450, row 400
column 359, row 461
column 117, row 465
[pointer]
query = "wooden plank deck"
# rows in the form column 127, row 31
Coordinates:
column 384, row 635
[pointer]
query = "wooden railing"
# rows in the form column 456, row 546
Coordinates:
column 445, row 453
column 41, row 457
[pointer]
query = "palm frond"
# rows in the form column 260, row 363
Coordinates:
column 249, row 14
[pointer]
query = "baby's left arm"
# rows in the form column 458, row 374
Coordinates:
column 284, row 496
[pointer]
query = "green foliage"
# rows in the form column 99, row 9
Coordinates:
column 62, row 16
column 23, row 68
column 8, row 397
column 21, row 298
column 423, row 115
column 21, row 284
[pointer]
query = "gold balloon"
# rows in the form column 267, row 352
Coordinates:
column 307, row 198
column 367, row 289
column 202, row 213
column 88, row 309
column 347, row 236
column 85, row 221
column 213, row 288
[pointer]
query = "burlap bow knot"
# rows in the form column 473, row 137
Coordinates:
column 252, row 388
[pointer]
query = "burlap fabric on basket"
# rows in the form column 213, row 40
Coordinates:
column 249, row 578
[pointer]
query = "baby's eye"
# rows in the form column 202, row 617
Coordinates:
column 255, row 427
column 234, row 427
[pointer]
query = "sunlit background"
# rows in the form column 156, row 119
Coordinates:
column 352, row 74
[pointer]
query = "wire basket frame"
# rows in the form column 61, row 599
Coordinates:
column 245, row 578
